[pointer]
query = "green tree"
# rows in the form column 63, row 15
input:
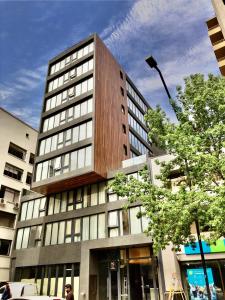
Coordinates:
column 197, row 146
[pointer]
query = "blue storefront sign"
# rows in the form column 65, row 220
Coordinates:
column 197, row 284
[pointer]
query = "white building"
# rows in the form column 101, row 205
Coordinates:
column 17, row 148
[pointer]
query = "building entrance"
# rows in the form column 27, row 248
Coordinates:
column 131, row 275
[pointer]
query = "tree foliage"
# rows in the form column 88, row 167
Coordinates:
column 197, row 146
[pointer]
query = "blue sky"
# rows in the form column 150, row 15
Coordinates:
column 32, row 32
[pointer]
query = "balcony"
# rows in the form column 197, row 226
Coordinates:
column 214, row 30
column 219, row 44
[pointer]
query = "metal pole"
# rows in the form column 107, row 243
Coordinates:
column 163, row 81
column 203, row 260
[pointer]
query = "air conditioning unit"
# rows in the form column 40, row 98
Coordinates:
column 2, row 201
column 16, row 205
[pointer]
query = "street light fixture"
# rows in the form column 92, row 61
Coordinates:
column 153, row 64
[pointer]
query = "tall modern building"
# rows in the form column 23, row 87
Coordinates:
column 17, row 148
column 216, row 31
column 72, row 229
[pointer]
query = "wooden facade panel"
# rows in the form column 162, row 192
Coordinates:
column 67, row 184
column 108, row 135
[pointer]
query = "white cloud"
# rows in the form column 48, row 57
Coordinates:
column 22, row 81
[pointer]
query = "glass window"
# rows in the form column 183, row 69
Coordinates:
column 77, row 111
column 81, row 158
column 68, row 137
column 102, row 193
column 135, row 223
column 19, row 238
column 60, row 82
column 56, row 121
column 82, row 132
column 42, row 207
column 64, row 202
column 73, row 163
column 101, row 226
column 38, row 172
column 54, row 143
column 48, row 144
column 89, row 129
column 113, row 223
column 78, row 90
column 77, row 230
column 23, row 211
column 44, row 170
column 48, row 104
column 85, row 67
column 83, row 108
column 68, row 238
column 54, row 236
column 66, row 163
column 90, row 84
column 48, row 234
column 85, row 229
column 84, row 86
column 26, row 234
column 94, row 194
column 79, row 70
column 60, row 140
column 93, row 227
column 89, row 103
column 36, row 208
column 75, row 134
column 30, row 209
column 57, row 203
column 58, row 99
column 62, row 117
column 88, row 157
column 61, row 232
column 90, row 64
column 45, row 125
column 85, row 50
column 42, row 147
column 51, row 205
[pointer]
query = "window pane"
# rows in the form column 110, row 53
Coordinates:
column 101, row 226
column 85, row 229
column 77, row 111
column 83, row 109
column 113, row 219
column 75, row 134
column 135, row 223
column 30, row 210
column 57, row 204
column 44, row 170
column 23, row 211
column 54, row 234
column 61, row 232
column 68, row 238
column 82, row 133
column 81, row 157
column 94, row 194
column 54, row 143
column 25, row 237
column 89, row 102
column 51, row 205
column 77, row 223
column 48, row 145
column 78, row 90
column 42, row 207
column 88, row 157
column 48, row 234
column 89, row 129
column 64, row 202
column 90, row 84
column 102, row 192
column 93, row 227
column 73, row 163
column 19, row 238
column 84, row 87
column 38, row 172
column 36, row 208
column 42, row 147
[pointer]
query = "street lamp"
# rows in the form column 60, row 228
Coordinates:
column 153, row 64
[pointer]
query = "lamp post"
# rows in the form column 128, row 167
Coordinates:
column 153, row 64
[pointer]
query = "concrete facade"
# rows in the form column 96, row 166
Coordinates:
column 12, row 131
column 216, row 32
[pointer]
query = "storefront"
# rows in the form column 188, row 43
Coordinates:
column 128, row 274
column 193, row 275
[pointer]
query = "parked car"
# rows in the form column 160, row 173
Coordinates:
column 36, row 298
column 19, row 289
